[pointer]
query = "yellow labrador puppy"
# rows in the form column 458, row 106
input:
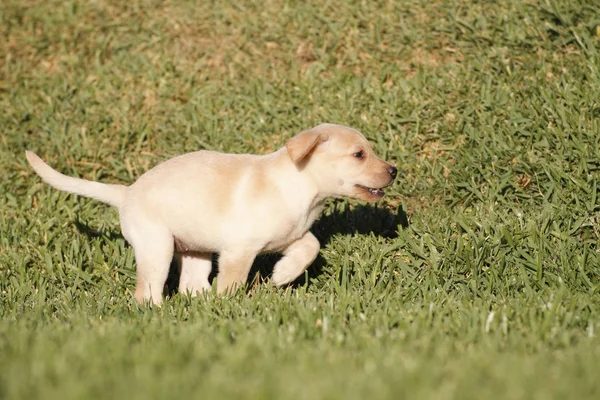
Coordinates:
column 236, row 205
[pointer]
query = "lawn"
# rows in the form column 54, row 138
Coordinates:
column 477, row 276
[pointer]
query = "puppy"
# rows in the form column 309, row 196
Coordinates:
column 235, row 205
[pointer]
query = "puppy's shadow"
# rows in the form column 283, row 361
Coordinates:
column 340, row 218
column 82, row 227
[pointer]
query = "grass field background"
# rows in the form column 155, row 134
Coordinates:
column 478, row 276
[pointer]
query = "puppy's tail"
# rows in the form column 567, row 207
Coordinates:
column 106, row 193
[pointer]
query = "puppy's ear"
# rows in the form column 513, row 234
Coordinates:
column 303, row 143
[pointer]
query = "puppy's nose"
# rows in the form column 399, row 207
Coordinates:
column 393, row 171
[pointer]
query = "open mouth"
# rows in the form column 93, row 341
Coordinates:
column 374, row 192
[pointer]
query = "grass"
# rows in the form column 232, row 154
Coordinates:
column 478, row 276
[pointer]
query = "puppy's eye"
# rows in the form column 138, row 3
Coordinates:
column 359, row 154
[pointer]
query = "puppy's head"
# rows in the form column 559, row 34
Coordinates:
column 342, row 162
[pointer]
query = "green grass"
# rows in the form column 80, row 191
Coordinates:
column 477, row 277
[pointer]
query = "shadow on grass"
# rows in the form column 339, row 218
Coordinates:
column 358, row 220
column 110, row 234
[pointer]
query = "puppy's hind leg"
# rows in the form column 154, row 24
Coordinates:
column 153, row 247
column 195, row 270
column 296, row 258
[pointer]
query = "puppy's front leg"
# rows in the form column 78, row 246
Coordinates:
column 296, row 258
column 234, row 267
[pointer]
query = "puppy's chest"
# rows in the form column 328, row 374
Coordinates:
column 294, row 229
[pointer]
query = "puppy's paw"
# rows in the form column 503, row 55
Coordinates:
column 282, row 277
column 195, row 288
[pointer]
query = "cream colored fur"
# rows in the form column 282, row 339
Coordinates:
column 237, row 206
